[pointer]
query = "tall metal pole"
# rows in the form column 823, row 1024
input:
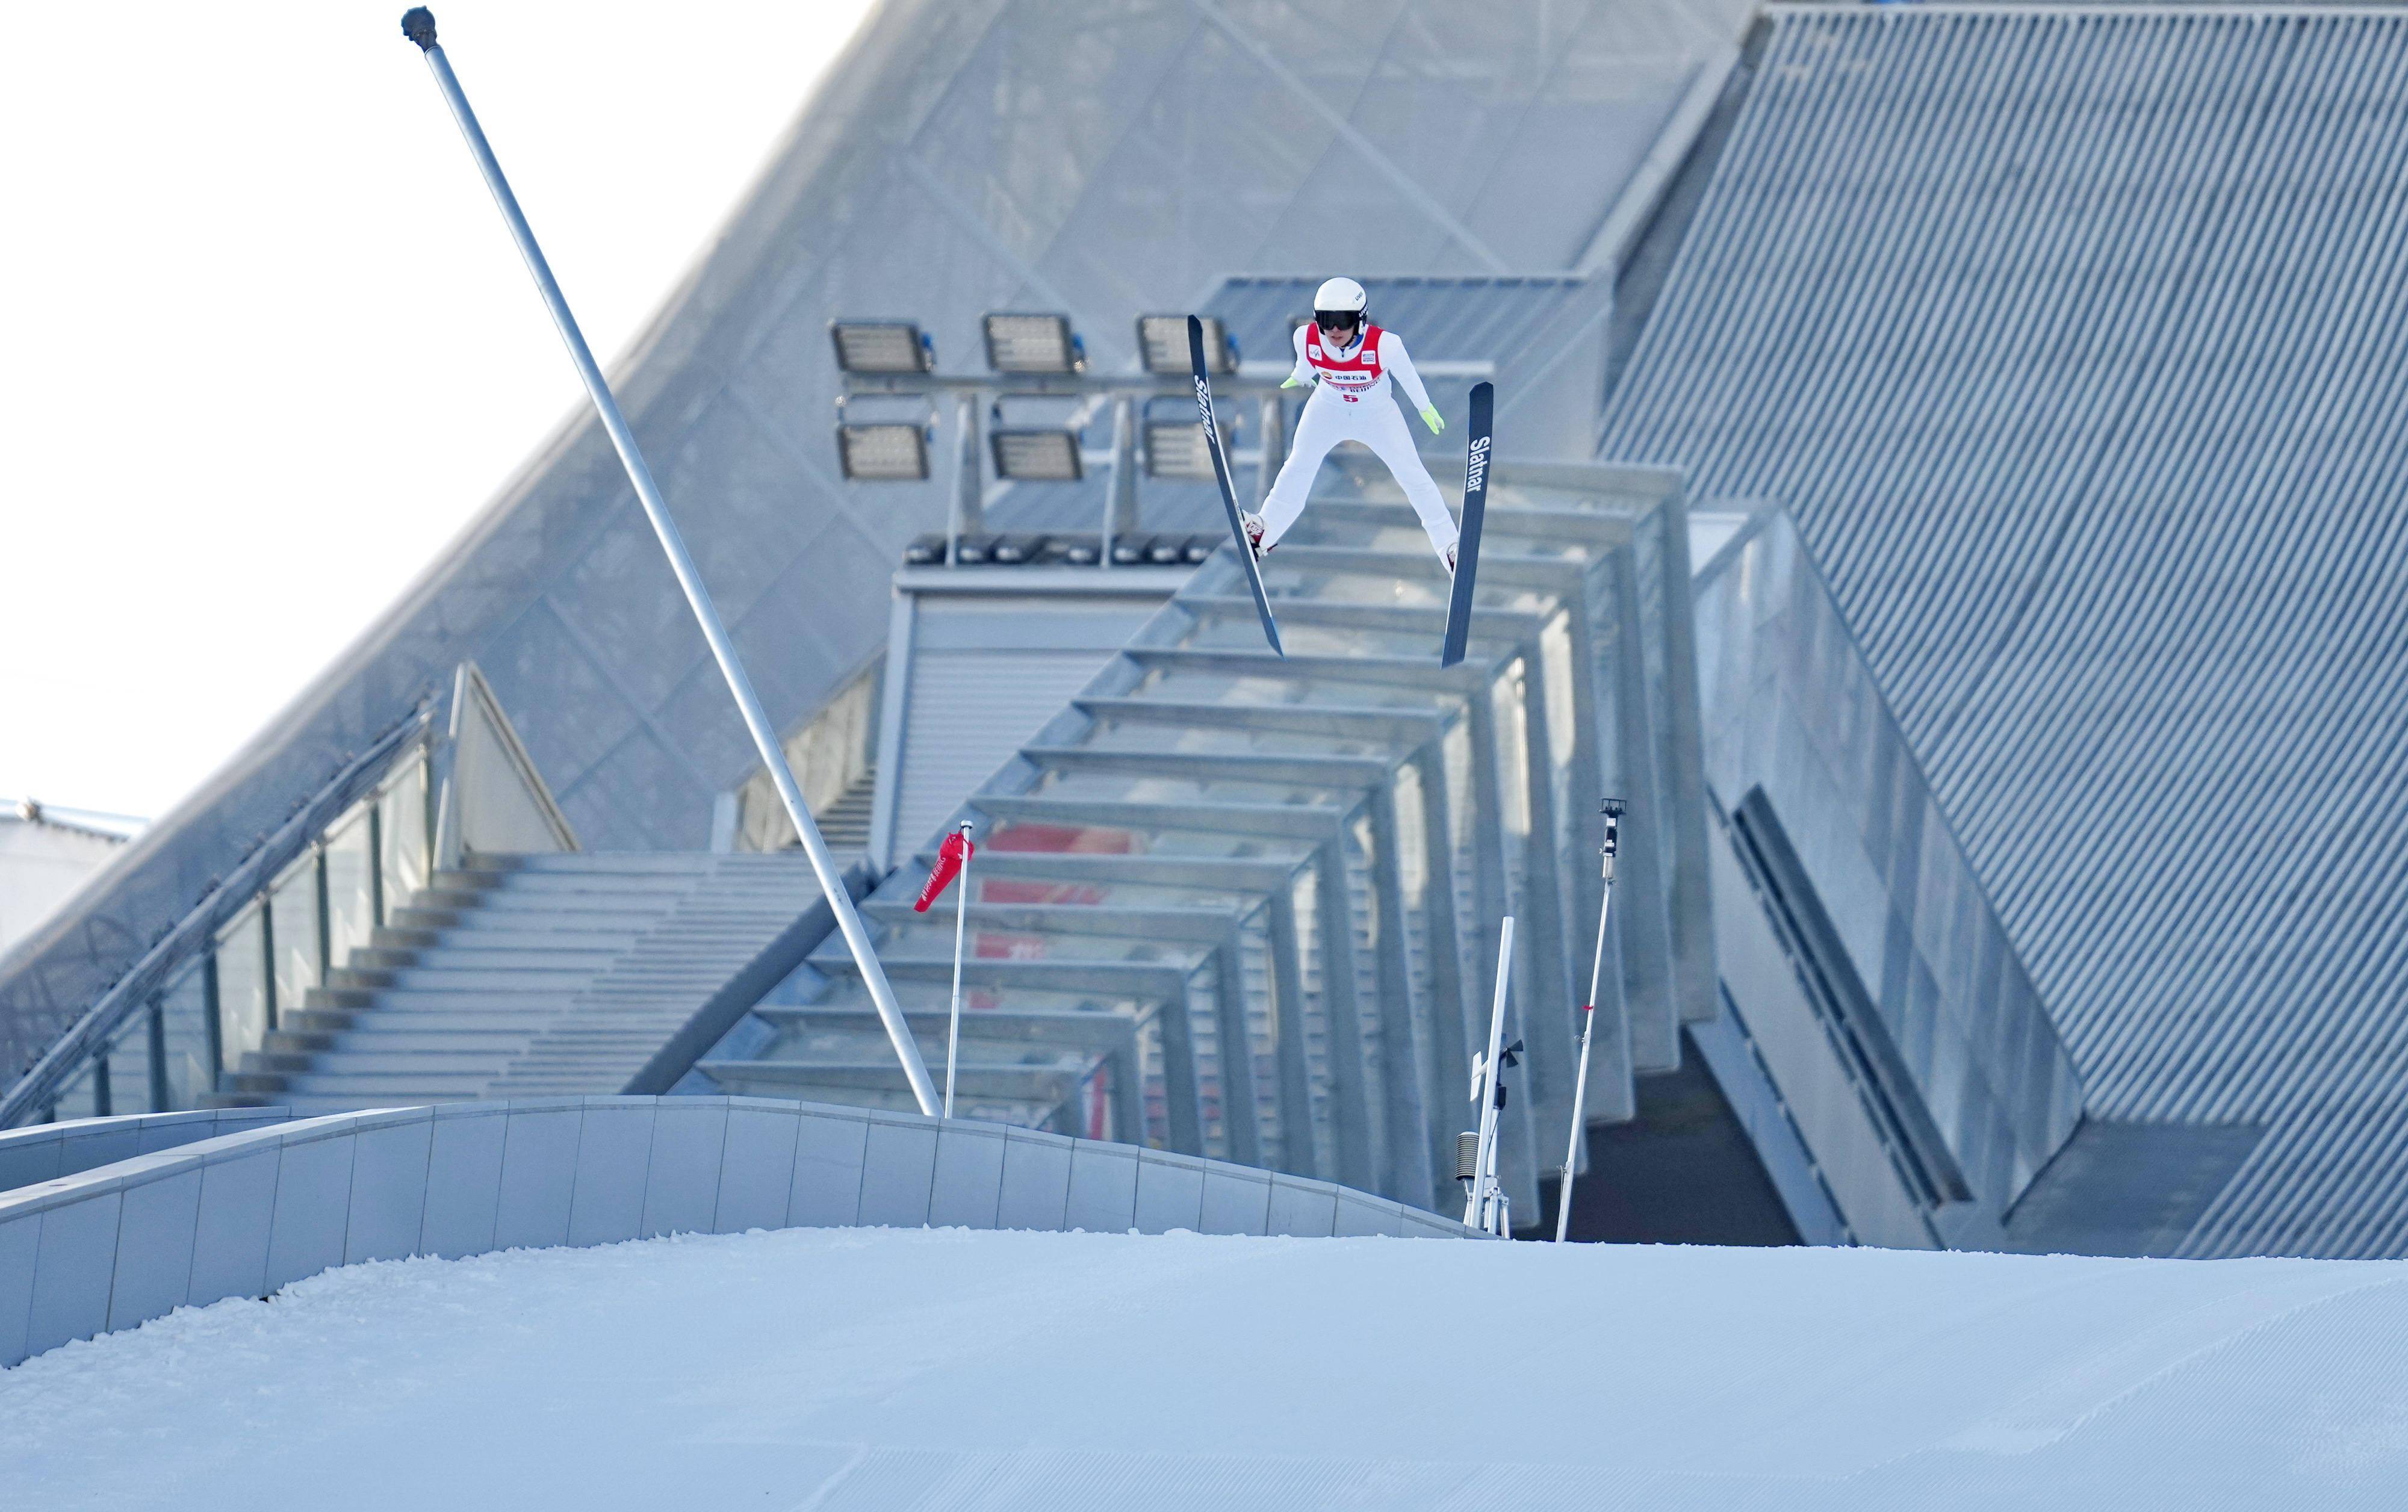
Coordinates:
column 961, row 929
column 1475, row 1210
column 1614, row 808
column 419, row 26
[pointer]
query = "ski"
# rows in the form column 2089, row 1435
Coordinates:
column 1228, row 493
column 1475, row 508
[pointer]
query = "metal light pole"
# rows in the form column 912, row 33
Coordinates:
column 961, row 929
column 419, row 26
column 1614, row 810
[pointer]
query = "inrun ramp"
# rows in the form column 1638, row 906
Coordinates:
column 1246, row 906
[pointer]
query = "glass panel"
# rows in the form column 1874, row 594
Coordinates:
column 242, row 985
column 350, row 909
column 184, row 1007
column 129, row 1066
column 80, row 1098
column 292, row 908
column 402, row 813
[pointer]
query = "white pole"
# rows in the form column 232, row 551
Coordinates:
column 961, row 927
column 1475, row 1209
column 419, row 26
column 1614, row 811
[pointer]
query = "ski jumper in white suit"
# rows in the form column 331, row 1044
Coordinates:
column 1350, row 402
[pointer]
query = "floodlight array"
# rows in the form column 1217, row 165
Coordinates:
column 1036, row 455
column 883, row 346
column 1034, row 344
column 1162, row 343
column 883, row 453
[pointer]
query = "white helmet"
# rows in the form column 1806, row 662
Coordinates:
column 1340, row 297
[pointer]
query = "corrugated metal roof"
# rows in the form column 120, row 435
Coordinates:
column 2077, row 342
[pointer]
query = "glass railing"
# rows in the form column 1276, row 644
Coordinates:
column 1794, row 723
column 219, row 983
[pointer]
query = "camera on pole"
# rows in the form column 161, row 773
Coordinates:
column 1614, row 808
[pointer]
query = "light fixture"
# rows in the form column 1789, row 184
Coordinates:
column 1037, row 455
column 883, row 453
column 1129, row 551
column 1075, row 551
column 1162, row 343
column 925, row 551
column 1200, row 549
column 974, row 551
column 1017, row 550
column 1175, row 449
column 1034, row 344
column 887, row 347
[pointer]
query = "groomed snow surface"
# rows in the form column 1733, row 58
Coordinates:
column 834, row 1369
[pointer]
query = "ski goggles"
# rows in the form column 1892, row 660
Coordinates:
column 1338, row 320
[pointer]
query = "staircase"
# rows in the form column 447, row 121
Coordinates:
column 845, row 824
column 1245, row 907
column 528, row 975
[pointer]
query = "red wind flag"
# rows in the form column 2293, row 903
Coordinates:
column 956, row 850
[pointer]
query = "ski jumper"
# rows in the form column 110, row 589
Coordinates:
column 1350, row 402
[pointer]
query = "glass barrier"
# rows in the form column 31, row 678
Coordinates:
column 297, row 943
column 242, row 977
column 177, row 1050
column 189, row 1032
column 1791, row 709
column 352, row 892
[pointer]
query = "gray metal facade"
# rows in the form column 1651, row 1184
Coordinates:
column 2076, row 344
column 1103, row 157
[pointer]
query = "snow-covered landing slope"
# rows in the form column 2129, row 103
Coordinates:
column 834, row 1369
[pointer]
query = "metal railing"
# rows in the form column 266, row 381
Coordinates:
column 193, row 940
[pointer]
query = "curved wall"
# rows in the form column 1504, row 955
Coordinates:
column 243, row 1213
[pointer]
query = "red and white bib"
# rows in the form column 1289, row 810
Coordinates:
column 1350, row 377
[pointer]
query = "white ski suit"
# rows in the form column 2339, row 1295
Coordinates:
column 1350, row 402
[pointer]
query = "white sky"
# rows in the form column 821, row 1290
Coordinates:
column 267, row 346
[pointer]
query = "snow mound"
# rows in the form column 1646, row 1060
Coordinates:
column 838, row 1369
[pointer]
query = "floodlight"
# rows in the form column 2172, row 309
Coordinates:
column 1037, row 455
column 883, row 346
column 974, row 551
column 1016, row 551
column 1175, row 450
column 1034, row 344
column 925, row 551
column 887, row 453
column 1074, row 552
column 1129, row 551
column 1166, row 550
column 1199, row 548
column 1162, row 342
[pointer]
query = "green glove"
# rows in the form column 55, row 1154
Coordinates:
column 1293, row 382
column 1430, row 419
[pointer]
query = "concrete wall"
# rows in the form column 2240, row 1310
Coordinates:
column 46, row 1151
column 243, row 1213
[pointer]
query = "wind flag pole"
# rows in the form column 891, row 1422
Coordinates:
column 419, row 26
column 952, row 860
column 1483, row 1207
column 1614, row 810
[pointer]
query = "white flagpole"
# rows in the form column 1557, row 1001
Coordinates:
column 1483, row 1182
column 419, row 26
column 961, row 929
column 1614, row 808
